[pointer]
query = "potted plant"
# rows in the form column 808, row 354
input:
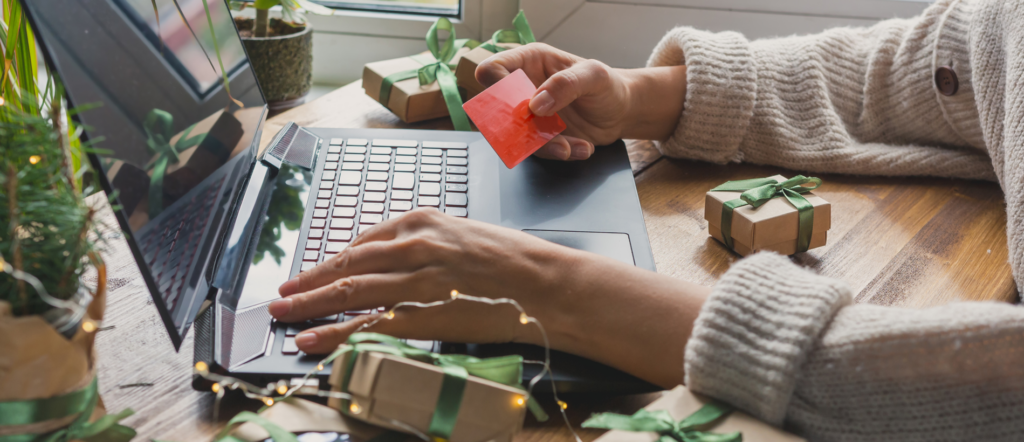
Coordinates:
column 281, row 50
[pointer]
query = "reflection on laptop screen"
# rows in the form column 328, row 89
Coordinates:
column 175, row 143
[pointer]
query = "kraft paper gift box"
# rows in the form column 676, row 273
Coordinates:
column 301, row 416
column 773, row 226
column 681, row 403
column 389, row 389
column 408, row 100
column 465, row 73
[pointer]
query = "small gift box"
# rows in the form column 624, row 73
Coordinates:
column 680, row 415
column 288, row 419
column 502, row 40
column 457, row 398
column 774, row 213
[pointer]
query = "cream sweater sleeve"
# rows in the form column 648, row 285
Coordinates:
column 849, row 100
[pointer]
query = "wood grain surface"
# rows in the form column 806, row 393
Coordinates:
column 897, row 241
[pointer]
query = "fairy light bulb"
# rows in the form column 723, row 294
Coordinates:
column 524, row 319
column 216, row 387
column 34, row 159
column 268, row 400
column 563, row 405
column 202, row 367
column 88, row 326
column 320, row 367
column 355, row 408
column 282, row 389
column 455, row 294
column 390, row 314
column 520, row 401
column 2, row 101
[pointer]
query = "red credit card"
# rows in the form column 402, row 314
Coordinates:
column 502, row 113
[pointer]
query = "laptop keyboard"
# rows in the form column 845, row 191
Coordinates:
column 364, row 182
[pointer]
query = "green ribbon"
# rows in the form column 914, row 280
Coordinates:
column 505, row 370
column 758, row 191
column 521, row 34
column 661, row 422
column 159, row 127
column 439, row 69
column 81, row 402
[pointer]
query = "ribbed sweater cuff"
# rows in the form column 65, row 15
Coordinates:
column 720, row 92
column 755, row 331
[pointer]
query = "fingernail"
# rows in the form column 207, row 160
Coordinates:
column 289, row 287
column 305, row 340
column 559, row 151
column 542, row 103
column 580, row 150
column 280, row 307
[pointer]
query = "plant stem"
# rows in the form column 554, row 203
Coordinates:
column 262, row 26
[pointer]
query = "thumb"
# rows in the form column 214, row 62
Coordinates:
column 568, row 85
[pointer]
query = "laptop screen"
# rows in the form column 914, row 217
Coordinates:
column 174, row 143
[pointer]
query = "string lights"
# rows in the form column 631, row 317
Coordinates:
column 281, row 390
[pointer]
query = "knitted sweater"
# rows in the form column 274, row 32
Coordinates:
column 788, row 346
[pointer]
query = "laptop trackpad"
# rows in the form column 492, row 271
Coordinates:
column 613, row 245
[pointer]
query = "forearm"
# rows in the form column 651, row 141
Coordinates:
column 655, row 102
column 631, row 319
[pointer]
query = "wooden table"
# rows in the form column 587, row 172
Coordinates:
column 897, row 241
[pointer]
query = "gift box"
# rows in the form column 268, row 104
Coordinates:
column 771, row 213
column 403, row 394
column 409, row 100
column 465, row 73
column 299, row 416
column 680, row 404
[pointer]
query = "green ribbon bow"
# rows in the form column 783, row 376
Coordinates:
column 661, row 422
column 438, row 69
column 81, row 402
column 758, row 191
column 522, row 34
column 505, row 370
column 159, row 127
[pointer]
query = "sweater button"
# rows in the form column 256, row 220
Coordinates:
column 946, row 81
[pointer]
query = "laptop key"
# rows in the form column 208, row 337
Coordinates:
column 380, row 158
column 431, row 201
column 405, row 160
column 330, row 166
column 456, row 178
column 373, row 208
column 341, row 223
column 356, row 141
column 381, row 151
column 379, row 167
column 393, row 215
column 405, row 167
column 327, row 184
column 336, row 247
column 310, row 255
column 347, row 191
column 395, row 143
column 429, row 178
column 320, row 213
column 431, row 152
column 401, row 195
column 376, row 176
column 370, row 218
column 456, row 211
column 328, row 318
column 326, row 194
column 430, row 168
column 406, row 151
column 455, row 199
column 339, row 235
column 450, row 187
column 444, row 145
column 358, row 158
column 376, row 186
column 333, row 157
column 404, row 181
column 315, row 234
column 457, row 162
column 351, row 178
column 430, row 160
column 328, row 176
column 289, row 347
column 456, row 170
column 306, row 265
column 374, row 197
column 355, row 150
column 351, row 166
column 343, row 212
column 346, row 201
column 364, row 227
column 400, row 206
column 430, row 189
column 458, row 154
column 337, row 141
column 313, row 244
column 334, row 149
column 318, row 223
column 323, row 204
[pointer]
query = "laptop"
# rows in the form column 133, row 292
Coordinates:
column 216, row 226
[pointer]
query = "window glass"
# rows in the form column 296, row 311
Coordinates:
column 446, row 8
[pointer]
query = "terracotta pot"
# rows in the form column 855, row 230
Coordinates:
column 283, row 63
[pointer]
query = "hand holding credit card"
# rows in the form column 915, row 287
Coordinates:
column 502, row 113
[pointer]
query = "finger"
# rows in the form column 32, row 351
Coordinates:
column 327, row 338
column 390, row 229
column 566, row 86
column 373, row 257
column 556, row 149
column 580, row 149
column 537, row 60
column 355, row 293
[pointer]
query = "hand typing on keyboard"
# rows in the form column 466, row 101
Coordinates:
column 590, row 305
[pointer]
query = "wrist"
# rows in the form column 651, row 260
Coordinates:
column 655, row 100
